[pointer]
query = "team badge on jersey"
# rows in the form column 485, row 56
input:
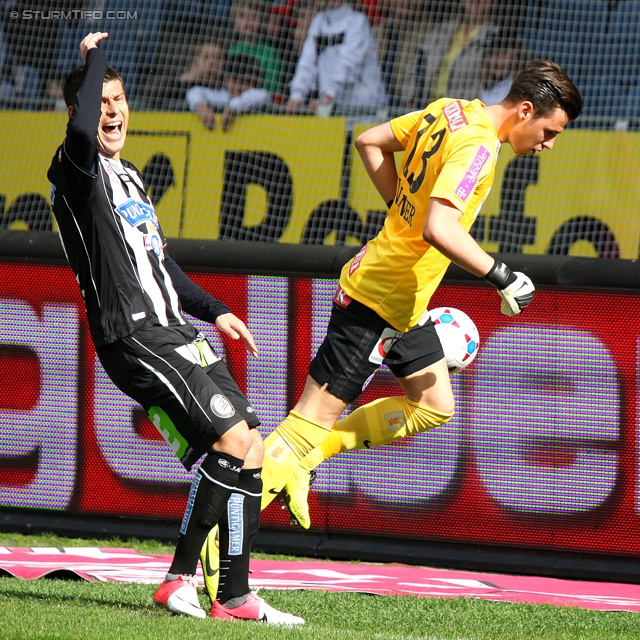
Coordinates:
column 153, row 241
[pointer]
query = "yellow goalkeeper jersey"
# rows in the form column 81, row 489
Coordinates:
column 451, row 149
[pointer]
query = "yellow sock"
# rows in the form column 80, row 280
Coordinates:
column 373, row 424
column 321, row 453
column 385, row 420
column 292, row 440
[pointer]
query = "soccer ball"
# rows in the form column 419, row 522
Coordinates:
column 459, row 336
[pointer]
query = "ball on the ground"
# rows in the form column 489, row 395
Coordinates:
column 459, row 336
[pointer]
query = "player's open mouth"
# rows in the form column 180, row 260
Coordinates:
column 113, row 129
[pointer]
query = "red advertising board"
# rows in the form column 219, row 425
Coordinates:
column 541, row 453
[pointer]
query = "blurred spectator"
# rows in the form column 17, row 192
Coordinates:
column 248, row 20
column 401, row 27
column 287, row 29
column 242, row 92
column 207, row 66
column 338, row 63
column 184, row 27
column 279, row 23
column 503, row 57
column 448, row 61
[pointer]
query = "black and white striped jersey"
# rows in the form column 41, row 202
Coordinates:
column 110, row 232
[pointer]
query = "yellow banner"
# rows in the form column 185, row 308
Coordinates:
column 287, row 179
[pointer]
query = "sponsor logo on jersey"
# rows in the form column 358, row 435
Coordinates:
column 455, row 116
column 324, row 41
column 385, row 342
column 357, row 259
column 407, row 210
column 341, row 298
column 395, row 421
column 135, row 213
column 468, row 184
column 221, row 406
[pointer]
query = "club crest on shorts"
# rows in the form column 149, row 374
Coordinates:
column 221, row 406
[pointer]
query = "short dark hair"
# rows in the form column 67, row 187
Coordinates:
column 75, row 78
column 547, row 86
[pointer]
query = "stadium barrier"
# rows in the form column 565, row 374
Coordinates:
column 538, row 470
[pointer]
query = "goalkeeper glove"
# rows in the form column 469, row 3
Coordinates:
column 515, row 288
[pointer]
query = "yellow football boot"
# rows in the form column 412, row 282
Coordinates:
column 296, row 494
column 210, row 560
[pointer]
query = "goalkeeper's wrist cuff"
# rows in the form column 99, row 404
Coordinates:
column 500, row 276
column 389, row 203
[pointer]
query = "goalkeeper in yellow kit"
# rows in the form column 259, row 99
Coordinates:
column 379, row 312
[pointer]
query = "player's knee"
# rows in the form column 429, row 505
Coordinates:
column 420, row 417
column 257, row 445
column 446, row 407
column 237, row 441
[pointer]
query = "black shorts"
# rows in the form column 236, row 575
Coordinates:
column 358, row 341
column 177, row 370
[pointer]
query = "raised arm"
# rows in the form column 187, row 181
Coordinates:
column 81, row 142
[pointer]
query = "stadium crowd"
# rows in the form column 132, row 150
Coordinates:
column 343, row 57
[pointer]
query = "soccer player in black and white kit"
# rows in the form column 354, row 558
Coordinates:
column 134, row 294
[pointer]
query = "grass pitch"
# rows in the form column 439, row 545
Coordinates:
column 79, row 610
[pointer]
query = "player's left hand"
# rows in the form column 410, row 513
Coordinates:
column 517, row 295
column 90, row 41
column 514, row 287
column 232, row 326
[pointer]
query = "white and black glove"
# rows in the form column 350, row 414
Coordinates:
column 515, row 289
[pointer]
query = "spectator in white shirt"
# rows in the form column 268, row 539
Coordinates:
column 338, row 63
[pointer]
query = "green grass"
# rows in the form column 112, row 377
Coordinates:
column 77, row 610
